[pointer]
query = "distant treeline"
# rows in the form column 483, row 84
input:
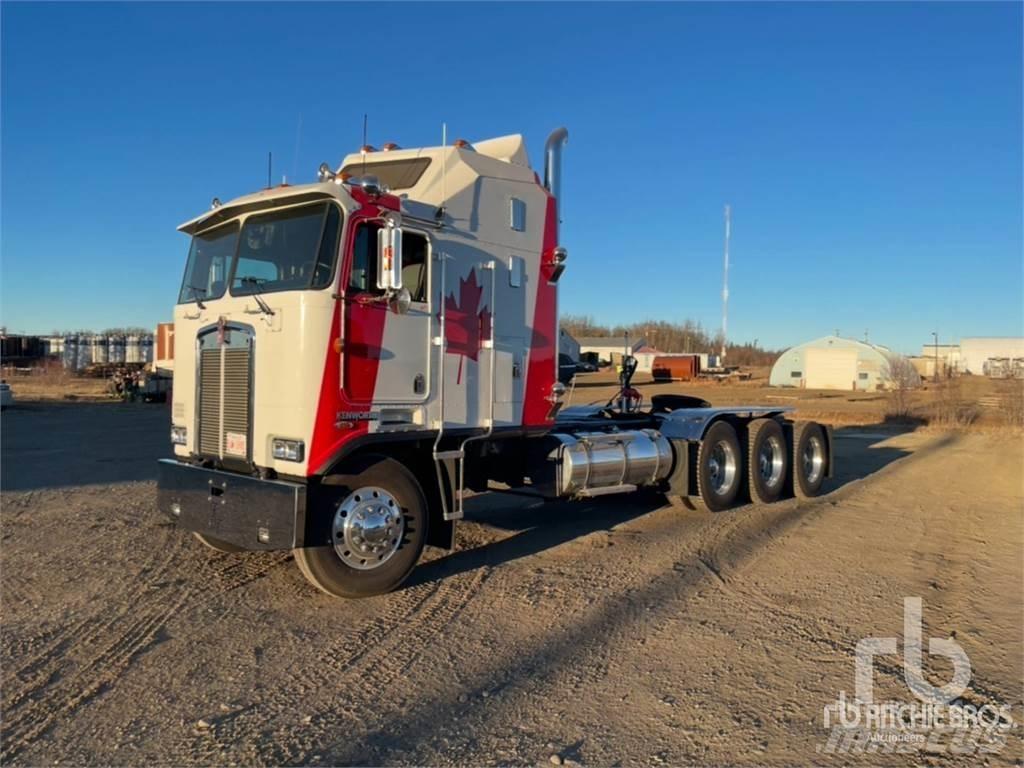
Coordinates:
column 687, row 336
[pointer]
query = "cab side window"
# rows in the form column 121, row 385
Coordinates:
column 363, row 275
column 414, row 265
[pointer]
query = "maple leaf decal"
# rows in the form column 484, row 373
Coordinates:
column 466, row 325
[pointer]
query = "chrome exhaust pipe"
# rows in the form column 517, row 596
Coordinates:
column 553, row 166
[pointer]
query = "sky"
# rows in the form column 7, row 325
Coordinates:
column 871, row 152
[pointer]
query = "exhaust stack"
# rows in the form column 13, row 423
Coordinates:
column 553, row 166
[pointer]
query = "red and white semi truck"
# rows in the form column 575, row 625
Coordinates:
column 352, row 356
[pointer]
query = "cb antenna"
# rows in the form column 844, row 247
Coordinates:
column 444, row 171
column 364, row 144
column 725, row 282
column 298, row 143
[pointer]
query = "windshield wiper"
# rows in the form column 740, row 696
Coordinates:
column 255, row 283
column 195, row 295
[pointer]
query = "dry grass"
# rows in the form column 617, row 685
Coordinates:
column 54, row 383
column 951, row 407
column 1011, row 402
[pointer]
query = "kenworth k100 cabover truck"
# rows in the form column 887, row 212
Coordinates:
column 353, row 356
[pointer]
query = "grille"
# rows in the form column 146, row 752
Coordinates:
column 224, row 384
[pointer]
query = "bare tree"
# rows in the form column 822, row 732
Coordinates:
column 665, row 336
column 899, row 377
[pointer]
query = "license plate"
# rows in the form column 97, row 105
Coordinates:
column 234, row 443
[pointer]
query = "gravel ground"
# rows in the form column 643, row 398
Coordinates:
column 612, row 632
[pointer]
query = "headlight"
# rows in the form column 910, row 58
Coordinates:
column 288, row 450
column 179, row 435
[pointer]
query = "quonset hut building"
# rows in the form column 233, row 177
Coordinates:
column 833, row 362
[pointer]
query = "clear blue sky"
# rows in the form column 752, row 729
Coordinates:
column 871, row 152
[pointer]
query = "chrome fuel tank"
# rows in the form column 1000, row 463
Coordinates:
column 591, row 463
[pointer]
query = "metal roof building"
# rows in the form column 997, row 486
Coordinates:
column 610, row 348
column 975, row 351
column 833, row 362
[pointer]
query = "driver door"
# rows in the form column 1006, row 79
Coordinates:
column 386, row 355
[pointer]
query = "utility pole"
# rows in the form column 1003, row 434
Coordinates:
column 725, row 285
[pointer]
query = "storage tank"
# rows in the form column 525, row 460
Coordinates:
column 132, row 349
column 83, row 358
column 69, row 354
column 100, row 349
column 55, row 346
column 117, row 348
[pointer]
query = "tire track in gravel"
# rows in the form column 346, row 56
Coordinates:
column 35, row 672
column 361, row 663
column 33, row 707
column 99, row 672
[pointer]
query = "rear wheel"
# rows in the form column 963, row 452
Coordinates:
column 378, row 529
column 217, row 544
column 767, row 460
column 719, row 467
column 810, row 459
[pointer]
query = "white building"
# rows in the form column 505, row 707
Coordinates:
column 609, row 348
column 946, row 355
column 833, row 362
column 974, row 351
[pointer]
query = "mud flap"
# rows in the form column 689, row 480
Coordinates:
column 679, row 479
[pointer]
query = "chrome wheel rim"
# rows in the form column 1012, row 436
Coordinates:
column 813, row 459
column 771, row 462
column 722, row 467
column 368, row 528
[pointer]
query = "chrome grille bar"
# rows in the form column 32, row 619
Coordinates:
column 225, row 396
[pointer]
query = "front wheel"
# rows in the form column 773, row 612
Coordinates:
column 378, row 529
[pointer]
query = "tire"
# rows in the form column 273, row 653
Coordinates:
column 217, row 544
column 810, row 459
column 379, row 523
column 768, row 461
column 719, row 468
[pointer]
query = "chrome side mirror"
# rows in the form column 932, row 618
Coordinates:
column 558, row 259
column 399, row 301
column 389, row 257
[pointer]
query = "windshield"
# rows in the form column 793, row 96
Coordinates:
column 276, row 251
column 287, row 250
column 209, row 261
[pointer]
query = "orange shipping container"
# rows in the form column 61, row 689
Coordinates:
column 164, row 341
column 675, row 367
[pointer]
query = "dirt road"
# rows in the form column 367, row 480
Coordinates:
column 612, row 632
